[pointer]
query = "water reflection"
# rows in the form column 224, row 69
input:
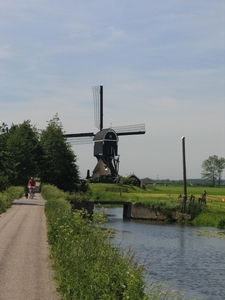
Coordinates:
column 191, row 262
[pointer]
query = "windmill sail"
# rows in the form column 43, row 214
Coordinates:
column 80, row 138
column 98, row 106
column 130, row 129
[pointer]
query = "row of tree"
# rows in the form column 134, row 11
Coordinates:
column 212, row 170
column 26, row 151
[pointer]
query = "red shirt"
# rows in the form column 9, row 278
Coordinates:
column 31, row 182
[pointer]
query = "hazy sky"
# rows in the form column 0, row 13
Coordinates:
column 161, row 63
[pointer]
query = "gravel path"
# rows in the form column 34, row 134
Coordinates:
column 25, row 270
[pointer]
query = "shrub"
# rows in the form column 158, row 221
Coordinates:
column 7, row 197
column 129, row 181
column 194, row 209
column 77, row 197
column 221, row 224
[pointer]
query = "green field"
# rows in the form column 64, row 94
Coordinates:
column 213, row 214
column 116, row 192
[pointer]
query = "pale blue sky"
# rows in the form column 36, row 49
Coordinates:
column 161, row 63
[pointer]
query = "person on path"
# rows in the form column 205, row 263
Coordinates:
column 31, row 185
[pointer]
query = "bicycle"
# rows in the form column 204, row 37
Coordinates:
column 31, row 191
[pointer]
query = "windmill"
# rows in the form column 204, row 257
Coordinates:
column 105, row 141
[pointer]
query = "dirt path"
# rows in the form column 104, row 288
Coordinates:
column 25, row 271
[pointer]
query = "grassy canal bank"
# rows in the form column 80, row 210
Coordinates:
column 166, row 199
column 86, row 264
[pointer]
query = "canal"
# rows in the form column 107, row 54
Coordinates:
column 192, row 259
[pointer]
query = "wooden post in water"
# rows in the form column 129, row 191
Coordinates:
column 184, row 175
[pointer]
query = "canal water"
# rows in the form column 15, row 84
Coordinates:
column 192, row 259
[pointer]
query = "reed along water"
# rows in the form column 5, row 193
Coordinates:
column 191, row 258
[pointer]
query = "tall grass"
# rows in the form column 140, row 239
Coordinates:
column 87, row 266
column 7, row 197
column 211, row 219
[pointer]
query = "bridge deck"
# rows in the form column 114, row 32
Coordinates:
column 111, row 202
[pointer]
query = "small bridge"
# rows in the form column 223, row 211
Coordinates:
column 89, row 206
column 126, row 206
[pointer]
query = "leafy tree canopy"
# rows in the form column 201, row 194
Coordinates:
column 58, row 165
column 26, row 151
column 213, row 168
column 19, row 153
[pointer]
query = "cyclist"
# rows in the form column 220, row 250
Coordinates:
column 31, row 186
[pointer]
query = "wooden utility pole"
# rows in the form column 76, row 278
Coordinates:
column 101, row 108
column 184, row 174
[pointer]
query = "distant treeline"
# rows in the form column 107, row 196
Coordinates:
column 191, row 181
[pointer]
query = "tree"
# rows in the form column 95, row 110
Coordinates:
column 58, row 164
column 20, row 153
column 220, row 168
column 4, row 181
column 4, row 128
column 213, row 168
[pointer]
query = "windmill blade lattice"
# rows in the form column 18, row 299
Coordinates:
column 98, row 106
column 130, row 129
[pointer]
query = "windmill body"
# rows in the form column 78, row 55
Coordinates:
column 105, row 142
column 105, row 150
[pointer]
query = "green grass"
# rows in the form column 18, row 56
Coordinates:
column 134, row 194
column 166, row 197
column 87, row 266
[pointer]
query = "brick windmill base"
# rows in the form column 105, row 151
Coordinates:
column 101, row 172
